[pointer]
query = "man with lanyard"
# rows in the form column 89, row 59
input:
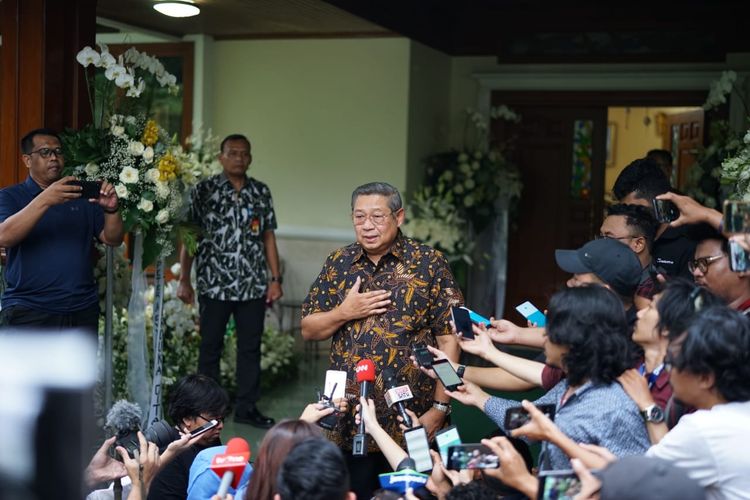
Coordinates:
column 237, row 242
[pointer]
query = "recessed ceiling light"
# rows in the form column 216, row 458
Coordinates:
column 178, row 8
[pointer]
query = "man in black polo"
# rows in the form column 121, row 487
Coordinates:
column 48, row 232
column 237, row 242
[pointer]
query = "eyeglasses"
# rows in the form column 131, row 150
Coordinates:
column 703, row 263
column 218, row 419
column 47, row 152
column 608, row 237
column 377, row 218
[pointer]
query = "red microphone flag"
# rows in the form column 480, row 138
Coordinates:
column 234, row 460
column 365, row 371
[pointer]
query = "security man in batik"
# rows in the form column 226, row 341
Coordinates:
column 376, row 299
column 236, row 247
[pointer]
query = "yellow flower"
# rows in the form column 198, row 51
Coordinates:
column 167, row 167
column 150, row 133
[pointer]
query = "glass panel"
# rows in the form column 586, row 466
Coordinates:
column 675, row 154
column 583, row 151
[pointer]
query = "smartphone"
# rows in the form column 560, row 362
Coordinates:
column 737, row 216
column 462, row 320
column 471, row 456
column 204, row 428
column 419, row 448
column 423, row 356
column 532, row 314
column 558, row 485
column 476, row 317
column 517, row 416
column 447, row 375
column 665, row 211
column 446, row 438
column 739, row 259
column 90, row 189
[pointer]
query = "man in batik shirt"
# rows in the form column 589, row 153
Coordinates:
column 237, row 243
column 376, row 299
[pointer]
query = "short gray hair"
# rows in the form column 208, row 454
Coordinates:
column 382, row 189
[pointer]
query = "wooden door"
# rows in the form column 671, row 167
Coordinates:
column 684, row 139
column 554, row 211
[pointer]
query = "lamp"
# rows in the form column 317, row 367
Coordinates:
column 177, row 8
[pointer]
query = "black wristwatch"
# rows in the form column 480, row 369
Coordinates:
column 653, row 413
column 276, row 279
column 460, row 371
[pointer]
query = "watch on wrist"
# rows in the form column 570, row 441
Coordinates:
column 460, row 371
column 653, row 413
column 275, row 279
column 444, row 407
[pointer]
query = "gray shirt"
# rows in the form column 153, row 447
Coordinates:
column 600, row 414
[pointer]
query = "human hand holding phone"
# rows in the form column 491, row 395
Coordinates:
column 539, row 427
column 512, row 470
column 469, row 394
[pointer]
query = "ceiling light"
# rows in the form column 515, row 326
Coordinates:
column 177, row 8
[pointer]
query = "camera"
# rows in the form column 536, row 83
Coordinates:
column 329, row 421
column 160, row 433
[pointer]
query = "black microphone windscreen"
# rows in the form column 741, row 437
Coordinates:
column 124, row 416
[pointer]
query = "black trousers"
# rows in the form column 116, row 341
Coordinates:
column 248, row 316
column 22, row 317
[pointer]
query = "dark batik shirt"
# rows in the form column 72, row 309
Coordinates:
column 422, row 292
column 231, row 259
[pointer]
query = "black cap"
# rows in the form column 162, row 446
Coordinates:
column 611, row 261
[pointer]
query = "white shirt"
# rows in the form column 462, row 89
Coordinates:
column 714, row 447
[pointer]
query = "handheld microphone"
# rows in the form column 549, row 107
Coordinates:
column 396, row 395
column 365, row 371
column 229, row 466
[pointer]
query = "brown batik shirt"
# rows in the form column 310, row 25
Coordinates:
column 422, row 292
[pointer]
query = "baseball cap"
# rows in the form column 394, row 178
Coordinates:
column 611, row 261
column 637, row 477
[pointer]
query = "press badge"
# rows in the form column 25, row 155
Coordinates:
column 255, row 226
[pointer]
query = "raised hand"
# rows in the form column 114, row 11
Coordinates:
column 539, row 428
column 481, row 345
column 469, row 394
column 503, row 331
column 358, row 305
column 60, row 191
column 512, row 470
column 636, row 386
column 107, row 197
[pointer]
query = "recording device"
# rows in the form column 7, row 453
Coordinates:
column 532, row 314
column 329, row 421
column 665, row 211
column 737, row 216
column 739, row 258
column 446, row 438
column 517, row 416
column 423, row 355
column 204, row 428
column 558, row 485
column 447, row 375
column 471, row 456
column 396, row 394
column 462, row 320
column 89, row 189
column 419, row 448
column 405, row 477
column 124, row 419
column 365, row 371
column 230, row 465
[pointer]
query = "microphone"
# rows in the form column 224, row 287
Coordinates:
column 396, row 395
column 124, row 419
column 230, row 465
column 365, row 371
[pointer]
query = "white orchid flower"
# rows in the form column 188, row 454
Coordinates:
column 106, row 61
column 124, row 81
column 114, row 71
column 88, row 56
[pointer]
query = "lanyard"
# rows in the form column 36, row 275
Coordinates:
column 651, row 377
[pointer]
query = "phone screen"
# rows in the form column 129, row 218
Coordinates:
column 532, row 314
column 419, row 448
column 203, row 428
column 558, row 484
column 665, row 211
column 517, row 416
column 739, row 259
column 447, row 375
column 446, row 438
column 471, row 456
column 90, row 189
column 462, row 320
